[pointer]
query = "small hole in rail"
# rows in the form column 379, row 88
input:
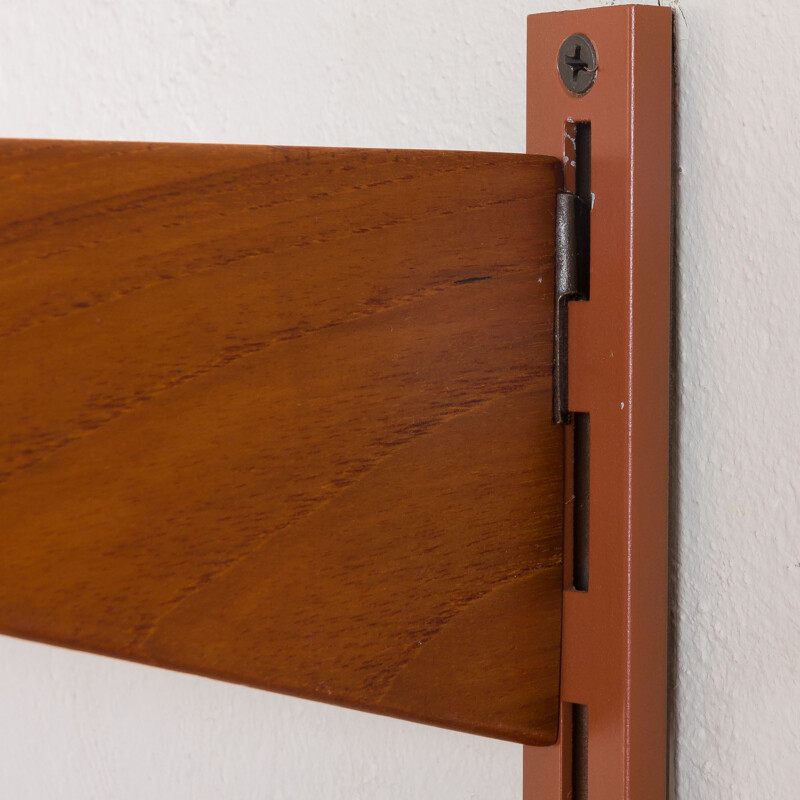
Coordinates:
column 580, row 752
column 580, row 512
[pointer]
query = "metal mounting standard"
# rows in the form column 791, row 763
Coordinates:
column 615, row 143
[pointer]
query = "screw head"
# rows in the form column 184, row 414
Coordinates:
column 577, row 63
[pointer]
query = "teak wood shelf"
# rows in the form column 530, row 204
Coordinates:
column 283, row 416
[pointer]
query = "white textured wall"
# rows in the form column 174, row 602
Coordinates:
column 450, row 74
column 737, row 487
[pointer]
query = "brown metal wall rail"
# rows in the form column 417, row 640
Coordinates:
column 613, row 680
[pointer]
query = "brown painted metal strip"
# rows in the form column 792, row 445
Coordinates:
column 615, row 633
column 282, row 417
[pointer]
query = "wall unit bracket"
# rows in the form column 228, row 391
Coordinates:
column 572, row 274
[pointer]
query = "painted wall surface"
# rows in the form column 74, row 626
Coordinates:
column 447, row 74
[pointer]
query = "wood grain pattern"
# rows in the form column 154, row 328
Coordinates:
column 280, row 416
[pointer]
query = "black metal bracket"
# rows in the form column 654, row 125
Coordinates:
column 571, row 283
